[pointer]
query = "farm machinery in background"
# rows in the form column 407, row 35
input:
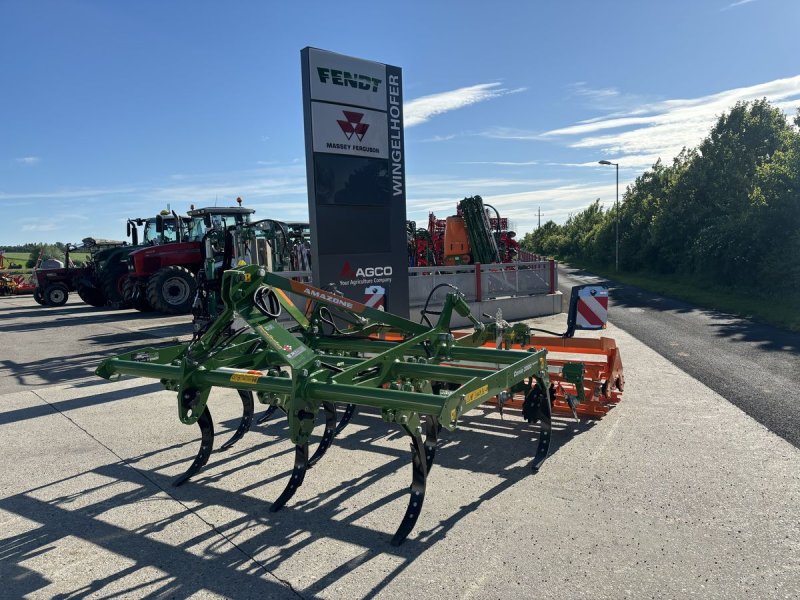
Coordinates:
column 468, row 237
column 100, row 280
column 8, row 285
column 53, row 280
column 337, row 355
column 166, row 278
column 12, row 283
column 111, row 266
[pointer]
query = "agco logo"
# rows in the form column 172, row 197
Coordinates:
column 353, row 125
column 347, row 79
column 347, row 271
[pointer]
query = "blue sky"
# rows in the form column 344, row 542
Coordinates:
column 112, row 109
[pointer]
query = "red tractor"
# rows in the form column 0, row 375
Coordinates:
column 54, row 280
column 164, row 277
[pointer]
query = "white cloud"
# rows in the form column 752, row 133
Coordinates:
column 28, row 161
column 649, row 131
column 420, row 110
column 510, row 133
column 501, row 163
column 608, row 98
column 518, row 199
column 735, row 4
column 43, row 226
column 67, row 194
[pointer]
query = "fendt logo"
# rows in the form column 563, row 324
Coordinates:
column 353, row 125
column 348, row 273
column 345, row 78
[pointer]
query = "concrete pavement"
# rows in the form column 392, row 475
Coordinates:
column 674, row 493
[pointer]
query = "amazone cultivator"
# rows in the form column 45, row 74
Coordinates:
column 338, row 351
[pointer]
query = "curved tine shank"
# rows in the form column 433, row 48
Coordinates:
column 419, row 473
column 327, row 436
column 267, row 414
column 349, row 411
column 432, row 428
column 545, row 432
column 244, row 424
column 296, row 480
column 206, row 446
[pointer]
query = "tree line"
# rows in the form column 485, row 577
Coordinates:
column 727, row 211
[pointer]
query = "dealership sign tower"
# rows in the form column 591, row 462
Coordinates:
column 355, row 164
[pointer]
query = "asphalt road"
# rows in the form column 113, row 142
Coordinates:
column 753, row 366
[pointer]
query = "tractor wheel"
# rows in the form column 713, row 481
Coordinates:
column 112, row 282
column 171, row 290
column 91, row 295
column 56, row 294
column 38, row 295
column 134, row 297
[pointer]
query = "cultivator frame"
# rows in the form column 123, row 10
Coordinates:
column 423, row 380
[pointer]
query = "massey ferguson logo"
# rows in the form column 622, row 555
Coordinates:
column 348, row 272
column 353, row 125
column 347, row 79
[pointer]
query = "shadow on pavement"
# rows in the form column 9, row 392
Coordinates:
column 210, row 562
column 73, row 319
column 42, row 410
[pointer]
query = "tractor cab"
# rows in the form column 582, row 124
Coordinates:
column 204, row 220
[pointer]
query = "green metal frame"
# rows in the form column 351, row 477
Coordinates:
column 333, row 352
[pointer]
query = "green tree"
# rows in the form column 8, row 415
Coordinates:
column 46, row 251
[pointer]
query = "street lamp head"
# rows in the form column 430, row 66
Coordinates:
column 604, row 162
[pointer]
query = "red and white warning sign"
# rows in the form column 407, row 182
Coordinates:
column 375, row 297
column 592, row 307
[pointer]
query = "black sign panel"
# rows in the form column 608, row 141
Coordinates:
column 355, row 165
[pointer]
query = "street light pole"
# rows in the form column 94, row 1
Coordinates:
column 616, row 251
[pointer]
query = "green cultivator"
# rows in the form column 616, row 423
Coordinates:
column 338, row 351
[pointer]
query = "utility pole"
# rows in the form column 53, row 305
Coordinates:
column 616, row 210
column 540, row 218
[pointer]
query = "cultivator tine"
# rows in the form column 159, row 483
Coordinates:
column 267, row 414
column 573, row 406
column 327, row 437
column 349, row 411
column 206, row 446
column 419, row 475
column 296, row 480
column 432, row 428
column 545, row 432
column 244, row 424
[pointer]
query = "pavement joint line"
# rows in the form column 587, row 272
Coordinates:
column 175, row 338
column 189, row 509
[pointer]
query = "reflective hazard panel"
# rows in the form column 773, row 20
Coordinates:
column 374, row 297
column 588, row 308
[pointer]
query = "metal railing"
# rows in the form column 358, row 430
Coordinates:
column 477, row 282
column 483, row 282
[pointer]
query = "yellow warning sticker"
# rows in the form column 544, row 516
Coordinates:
column 245, row 378
column 481, row 391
